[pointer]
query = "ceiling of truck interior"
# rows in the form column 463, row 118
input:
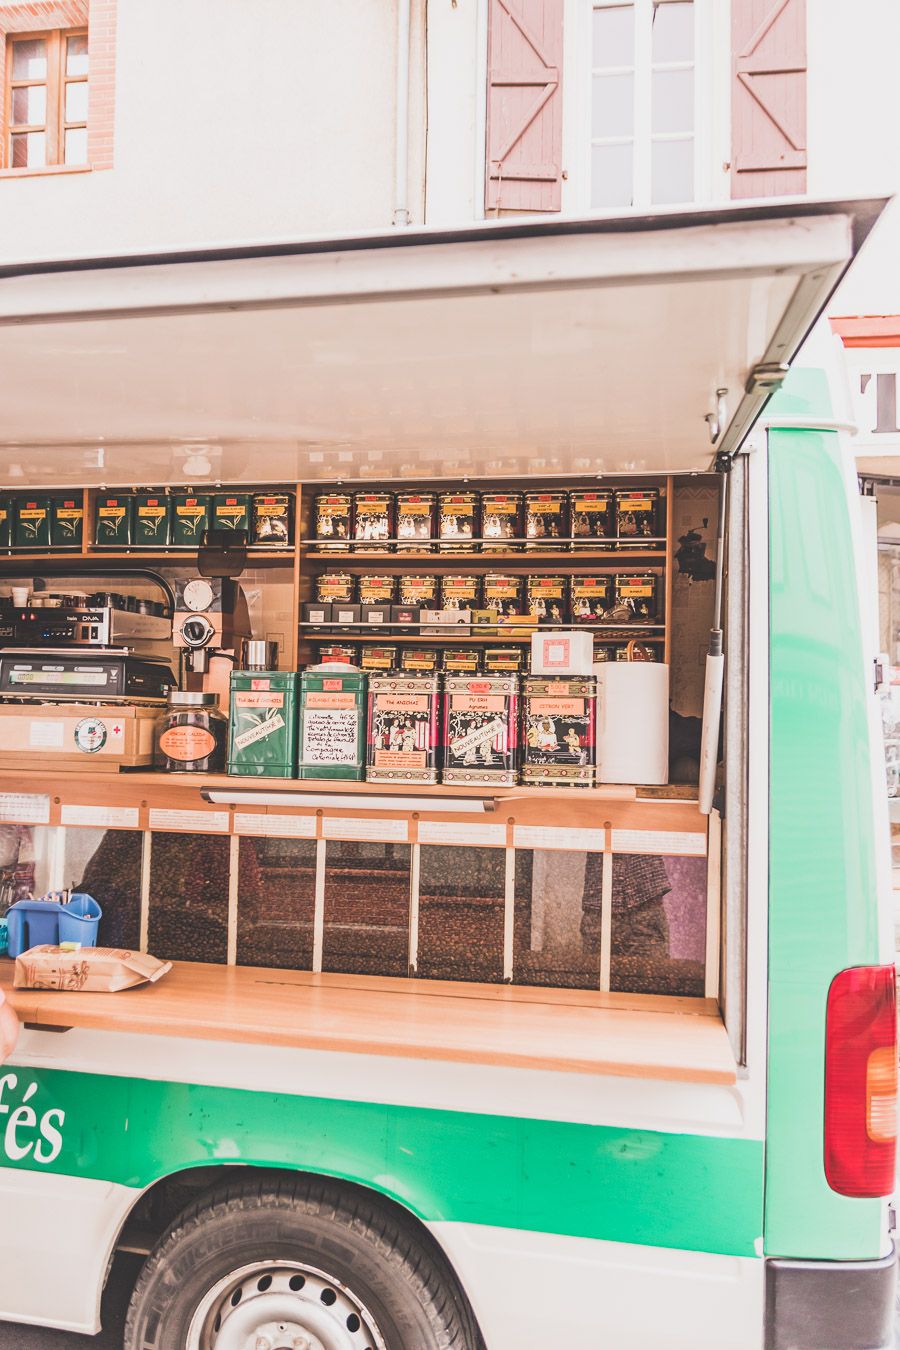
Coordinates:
column 581, row 348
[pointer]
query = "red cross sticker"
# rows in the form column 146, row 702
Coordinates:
column 116, row 729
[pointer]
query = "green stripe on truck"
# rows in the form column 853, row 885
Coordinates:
column 666, row 1190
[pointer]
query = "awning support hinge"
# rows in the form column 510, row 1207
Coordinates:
column 766, row 377
column 716, row 420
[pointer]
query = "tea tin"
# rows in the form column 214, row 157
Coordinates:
column 67, row 521
column 480, row 729
column 460, row 592
column 375, row 589
column 112, row 519
column 378, row 657
column 262, row 724
column 190, row 518
column 636, row 516
column 504, row 594
column 415, row 521
column 590, row 598
column 403, row 733
column 546, row 519
column 593, row 517
column 458, row 521
column 231, row 511
column 333, row 512
column 498, row 660
column 635, row 597
column 559, row 720
column 373, row 525
column 546, row 597
column 419, row 659
column 152, row 520
column 501, row 521
column 347, row 653
column 332, row 725
column 420, row 591
column 336, row 586
column 271, row 524
column 6, row 522
column 461, row 660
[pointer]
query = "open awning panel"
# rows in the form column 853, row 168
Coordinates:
column 575, row 347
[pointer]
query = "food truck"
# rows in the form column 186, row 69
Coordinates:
column 443, row 648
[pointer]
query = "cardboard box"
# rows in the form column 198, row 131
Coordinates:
column 344, row 614
column 376, row 616
column 565, row 653
column 445, row 618
column 86, row 736
column 317, row 611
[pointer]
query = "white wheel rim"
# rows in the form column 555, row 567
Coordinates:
column 282, row 1305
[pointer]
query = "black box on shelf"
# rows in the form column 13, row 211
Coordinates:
column 405, row 614
column 344, row 614
column 317, row 611
column 376, row 615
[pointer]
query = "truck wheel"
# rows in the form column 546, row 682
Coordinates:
column 295, row 1263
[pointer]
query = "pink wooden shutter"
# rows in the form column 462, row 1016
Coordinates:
column 524, row 115
column 768, row 42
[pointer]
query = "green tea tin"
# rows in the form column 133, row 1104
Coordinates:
column 152, row 521
column 31, row 522
column 6, row 522
column 113, row 520
column 231, row 511
column 262, row 730
column 332, row 723
column 190, row 517
column 67, row 520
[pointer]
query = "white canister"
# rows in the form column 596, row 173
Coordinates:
column 632, row 722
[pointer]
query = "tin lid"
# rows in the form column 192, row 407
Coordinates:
column 189, row 698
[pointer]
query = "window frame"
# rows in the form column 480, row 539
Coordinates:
column 711, row 107
column 56, row 83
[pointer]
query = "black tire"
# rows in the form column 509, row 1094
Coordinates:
column 395, row 1271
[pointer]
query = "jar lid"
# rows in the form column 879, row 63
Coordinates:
column 189, row 698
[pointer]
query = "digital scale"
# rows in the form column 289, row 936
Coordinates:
column 82, row 675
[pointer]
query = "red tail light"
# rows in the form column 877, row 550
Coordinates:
column 861, row 1081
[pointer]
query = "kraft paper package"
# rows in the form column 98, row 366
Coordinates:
column 98, row 970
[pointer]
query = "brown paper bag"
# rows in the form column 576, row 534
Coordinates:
column 94, row 969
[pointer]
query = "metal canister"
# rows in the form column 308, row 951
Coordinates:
column 190, row 517
column 593, row 517
column 418, row 590
column 335, row 587
column 332, row 724
column 375, row 589
column 112, row 524
column 590, row 597
column 416, row 516
column 373, row 521
column 231, row 511
column 503, row 593
column 461, row 660
column 403, row 732
column 458, row 523
column 343, row 653
column 480, row 729
column 419, row 659
column 501, row 521
column 636, row 598
column 503, row 660
column 272, row 513
column 559, row 722
column 546, row 597
column 546, row 520
column 333, row 521
column 67, row 520
column 460, row 592
column 378, row 657
column 637, row 517
column 262, row 728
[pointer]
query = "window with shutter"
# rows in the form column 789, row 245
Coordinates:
column 524, row 112
column 768, row 98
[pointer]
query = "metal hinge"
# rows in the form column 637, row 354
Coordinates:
column 768, row 375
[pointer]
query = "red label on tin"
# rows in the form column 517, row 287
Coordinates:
column 332, row 684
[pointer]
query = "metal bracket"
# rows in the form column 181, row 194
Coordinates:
column 766, row 377
column 724, row 462
column 716, row 420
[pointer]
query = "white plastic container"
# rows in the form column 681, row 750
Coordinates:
column 562, row 653
column 632, row 722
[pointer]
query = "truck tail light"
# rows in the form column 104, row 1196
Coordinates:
column 861, row 1081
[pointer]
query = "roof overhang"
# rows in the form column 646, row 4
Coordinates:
column 565, row 347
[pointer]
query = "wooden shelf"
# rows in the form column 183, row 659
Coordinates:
column 510, row 560
column 451, row 637
column 96, row 558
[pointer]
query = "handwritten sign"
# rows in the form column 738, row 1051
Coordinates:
column 331, row 736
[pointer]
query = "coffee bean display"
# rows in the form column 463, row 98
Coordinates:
column 189, row 897
column 276, row 902
column 461, row 898
column 366, row 929
column 112, row 874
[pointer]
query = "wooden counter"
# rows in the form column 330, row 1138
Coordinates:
column 632, row 1036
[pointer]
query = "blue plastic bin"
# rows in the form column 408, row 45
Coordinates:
column 32, row 923
column 79, row 920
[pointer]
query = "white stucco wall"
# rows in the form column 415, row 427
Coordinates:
column 235, row 122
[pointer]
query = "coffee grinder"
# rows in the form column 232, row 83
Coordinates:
column 211, row 615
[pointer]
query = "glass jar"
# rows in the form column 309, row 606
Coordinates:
column 191, row 735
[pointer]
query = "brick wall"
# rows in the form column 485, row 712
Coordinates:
column 100, row 18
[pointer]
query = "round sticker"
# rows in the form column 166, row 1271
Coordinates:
column 90, row 735
column 187, row 743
